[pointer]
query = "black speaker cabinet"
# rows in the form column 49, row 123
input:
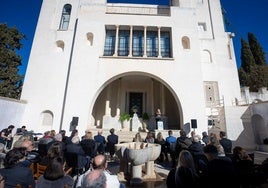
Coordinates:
column 75, row 121
column 194, row 123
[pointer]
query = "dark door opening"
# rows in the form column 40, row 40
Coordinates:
column 135, row 101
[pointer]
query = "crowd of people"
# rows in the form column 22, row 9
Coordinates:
column 19, row 159
column 207, row 161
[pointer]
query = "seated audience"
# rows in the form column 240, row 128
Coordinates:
column 248, row 176
column 184, row 175
column 137, row 138
column 14, row 172
column 44, row 143
column 149, row 138
column 171, row 146
column 161, row 141
column 76, row 148
column 54, row 176
column 100, row 163
column 89, row 145
column 213, row 140
column 183, row 142
column 196, row 148
column 54, row 151
column 217, row 169
column 32, row 156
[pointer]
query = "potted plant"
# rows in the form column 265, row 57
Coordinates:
column 145, row 116
column 124, row 118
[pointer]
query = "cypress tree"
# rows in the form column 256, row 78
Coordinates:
column 10, row 80
column 247, row 59
column 256, row 50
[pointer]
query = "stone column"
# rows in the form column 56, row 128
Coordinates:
column 145, row 45
column 130, row 41
column 152, row 98
column 116, row 41
column 163, row 99
column 107, row 108
column 159, row 42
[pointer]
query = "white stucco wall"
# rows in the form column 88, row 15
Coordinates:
column 11, row 112
column 184, row 73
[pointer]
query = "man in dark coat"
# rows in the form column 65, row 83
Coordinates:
column 226, row 143
column 101, row 141
column 112, row 139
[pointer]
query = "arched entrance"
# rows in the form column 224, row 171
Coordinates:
column 137, row 90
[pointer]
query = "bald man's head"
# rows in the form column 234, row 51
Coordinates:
column 95, row 178
column 99, row 162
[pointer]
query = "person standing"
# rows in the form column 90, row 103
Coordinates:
column 112, row 139
column 6, row 136
column 205, row 137
column 226, row 143
column 101, row 141
column 158, row 117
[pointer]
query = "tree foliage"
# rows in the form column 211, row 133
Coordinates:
column 253, row 70
column 10, row 80
column 256, row 49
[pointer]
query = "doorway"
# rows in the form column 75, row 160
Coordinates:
column 135, row 101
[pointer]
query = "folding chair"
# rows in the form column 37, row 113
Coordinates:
column 40, row 169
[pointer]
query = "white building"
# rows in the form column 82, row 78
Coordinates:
column 95, row 60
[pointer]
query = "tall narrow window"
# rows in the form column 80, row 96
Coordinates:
column 137, row 45
column 65, row 17
column 47, row 118
column 123, row 43
column 152, row 44
column 165, row 44
column 109, row 46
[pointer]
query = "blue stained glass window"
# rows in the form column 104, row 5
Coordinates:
column 165, row 44
column 109, row 43
column 138, row 43
column 123, row 43
column 152, row 43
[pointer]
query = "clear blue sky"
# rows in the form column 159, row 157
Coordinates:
column 243, row 15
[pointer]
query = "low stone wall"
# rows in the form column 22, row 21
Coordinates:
column 11, row 111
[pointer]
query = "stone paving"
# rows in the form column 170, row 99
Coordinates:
column 162, row 170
